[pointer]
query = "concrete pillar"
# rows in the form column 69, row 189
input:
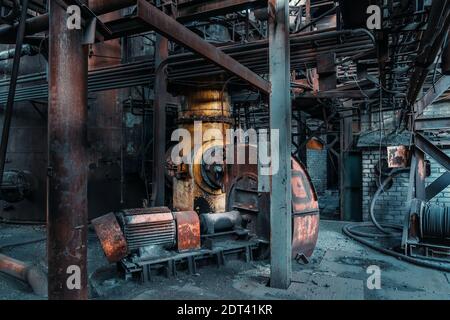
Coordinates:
column 280, row 119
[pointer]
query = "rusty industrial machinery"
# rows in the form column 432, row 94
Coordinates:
column 245, row 194
column 198, row 185
column 426, row 232
column 145, row 240
column 129, row 232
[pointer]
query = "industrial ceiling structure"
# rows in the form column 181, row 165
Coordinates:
column 93, row 95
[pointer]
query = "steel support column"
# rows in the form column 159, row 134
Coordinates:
column 159, row 122
column 420, row 175
column 346, row 142
column 280, row 119
column 67, row 171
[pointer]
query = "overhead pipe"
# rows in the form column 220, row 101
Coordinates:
column 27, row 50
column 28, row 273
column 184, row 66
column 41, row 23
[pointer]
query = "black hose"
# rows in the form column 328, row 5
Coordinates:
column 349, row 230
column 427, row 264
column 378, row 193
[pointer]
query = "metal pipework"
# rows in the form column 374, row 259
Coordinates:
column 41, row 23
column 184, row 13
column 27, row 50
column 188, row 66
column 25, row 272
column 220, row 222
column 67, row 214
column 175, row 31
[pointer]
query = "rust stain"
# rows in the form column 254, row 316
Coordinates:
column 305, row 234
column 188, row 230
column 111, row 237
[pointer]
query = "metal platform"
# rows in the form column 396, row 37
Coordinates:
column 170, row 262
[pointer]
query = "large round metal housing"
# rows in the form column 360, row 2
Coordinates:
column 243, row 195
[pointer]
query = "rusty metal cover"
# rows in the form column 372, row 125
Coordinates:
column 188, row 230
column 305, row 234
column 111, row 237
column 243, row 195
column 304, row 197
column 305, row 211
column 138, row 211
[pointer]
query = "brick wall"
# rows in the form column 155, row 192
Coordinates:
column 391, row 207
column 317, row 168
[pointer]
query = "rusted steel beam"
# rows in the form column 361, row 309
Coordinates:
column 159, row 122
column 175, row 31
column 338, row 94
column 281, row 120
column 105, row 6
column 12, row 89
column 433, row 151
column 67, row 216
column 41, row 23
column 437, row 90
column 437, row 186
column 427, row 124
column 430, row 45
column 185, row 13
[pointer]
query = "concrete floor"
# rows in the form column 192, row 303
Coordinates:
column 337, row 271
